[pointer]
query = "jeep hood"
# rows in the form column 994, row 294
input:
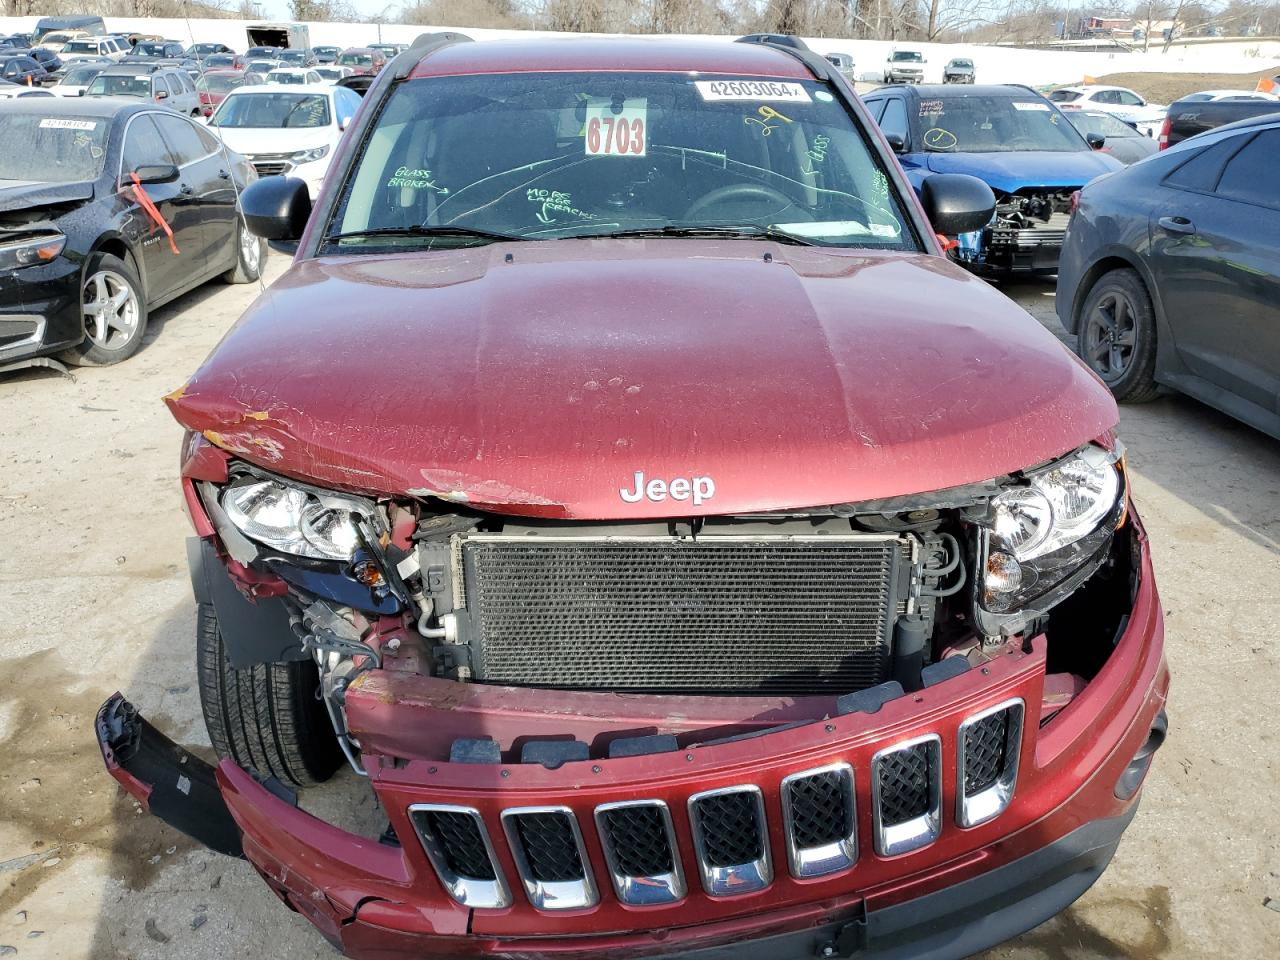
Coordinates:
column 1014, row 170
column 543, row 384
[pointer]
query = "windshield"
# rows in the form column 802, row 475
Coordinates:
column 995, row 125
column 220, row 60
column 273, row 110
column 118, row 86
column 962, row 64
column 1102, row 123
column 291, row 56
column 1064, row 96
column 907, row 56
column 329, row 73
column 261, row 66
column 56, row 38
column 80, row 46
column 69, row 148
column 283, row 76
column 356, row 59
column 80, row 76
column 149, row 49
column 217, row 83
column 554, row 155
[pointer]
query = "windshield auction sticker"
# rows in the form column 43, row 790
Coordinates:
column 61, row 123
column 1030, row 105
column 616, row 128
column 752, row 90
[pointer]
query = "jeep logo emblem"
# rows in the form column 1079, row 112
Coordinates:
column 698, row 489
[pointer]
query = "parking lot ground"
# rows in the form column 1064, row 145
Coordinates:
column 94, row 597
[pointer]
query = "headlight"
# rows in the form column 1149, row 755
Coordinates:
column 31, row 250
column 306, row 156
column 1040, row 534
column 293, row 520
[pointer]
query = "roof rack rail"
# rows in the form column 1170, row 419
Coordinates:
column 423, row 45
column 820, row 67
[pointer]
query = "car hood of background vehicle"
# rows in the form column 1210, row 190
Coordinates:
column 1026, row 168
column 540, row 386
column 252, row 140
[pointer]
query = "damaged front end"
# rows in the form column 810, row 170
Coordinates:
column 654, row 738
column 1026, row 233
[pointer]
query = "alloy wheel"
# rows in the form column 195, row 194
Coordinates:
column 250, row 249
column 1110, row 335
column 110, row 310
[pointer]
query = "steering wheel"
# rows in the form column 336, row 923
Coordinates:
column 737, row 191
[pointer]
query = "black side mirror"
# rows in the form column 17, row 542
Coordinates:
column 156, row 173
column 276, row 208
column 1096, row 141
column 957, row 203
column 897, row 142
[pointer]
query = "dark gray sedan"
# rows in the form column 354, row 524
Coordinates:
column 1170, row 274
column 1121, row 140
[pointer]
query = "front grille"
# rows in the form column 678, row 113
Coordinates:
column 985, row 749
column 821, row 809
column 549, row 846
column 271, row 164
column 1051, row 233
column 786, row 615
column 637, row 835
column 730, row 828
column 904, row 785
column 461, row 843
column 270, row 169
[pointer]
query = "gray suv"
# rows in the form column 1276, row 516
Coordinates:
column 167, row 86
column 959, row 70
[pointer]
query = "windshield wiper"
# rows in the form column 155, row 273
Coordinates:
column 417, row 230
column 742, row 232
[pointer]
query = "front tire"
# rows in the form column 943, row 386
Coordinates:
column 266, row 717
column 114, row 304
column 251, row 254
column 1118, row 336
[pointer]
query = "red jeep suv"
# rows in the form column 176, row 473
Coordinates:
column 695, row 562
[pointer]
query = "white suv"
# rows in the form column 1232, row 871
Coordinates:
column 1118, row 101
column 113, row 48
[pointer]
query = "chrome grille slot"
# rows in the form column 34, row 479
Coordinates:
column 906, row 795
column 547, row 847
column 639, row 845
column 820, row 820
column 716, row 614
column 458, row 846
column 731, row 840
column 988, row 749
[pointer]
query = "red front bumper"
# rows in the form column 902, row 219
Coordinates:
column 375, row 900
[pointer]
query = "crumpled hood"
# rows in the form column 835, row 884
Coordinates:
column 1012, row 171
column 542, row 385
column 26, row 194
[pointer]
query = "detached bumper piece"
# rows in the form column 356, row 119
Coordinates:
column 175, row 785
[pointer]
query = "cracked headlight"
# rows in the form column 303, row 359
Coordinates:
column 293, row 520
column 1041, row 534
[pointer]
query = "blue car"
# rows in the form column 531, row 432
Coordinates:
column 1012, row 138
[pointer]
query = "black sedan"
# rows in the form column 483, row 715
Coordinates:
column 1171, row 274
column 20, row 68
column 1119, row 139
column 107, row 210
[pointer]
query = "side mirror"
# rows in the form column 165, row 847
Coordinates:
column 276, row 208
column 897, row 142
column 157, row 173
column 80, row 93
column 162, row 95
column 1095, row 140
column 957, row 203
